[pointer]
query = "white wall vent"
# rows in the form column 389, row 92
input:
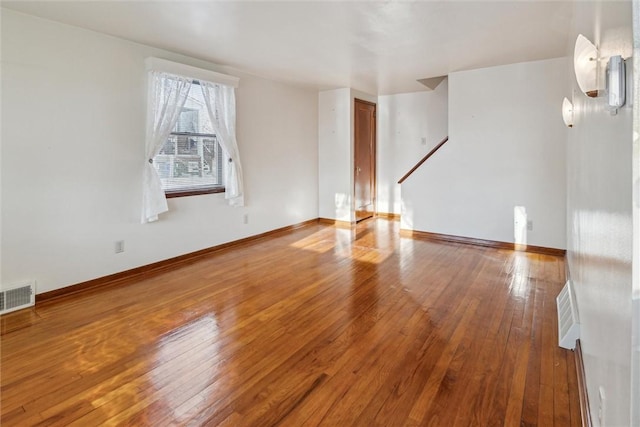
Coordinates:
column 17, row 297
column 568, row 320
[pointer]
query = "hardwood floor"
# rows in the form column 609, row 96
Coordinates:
column 319, row 326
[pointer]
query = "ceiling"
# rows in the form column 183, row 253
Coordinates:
column 376, row 47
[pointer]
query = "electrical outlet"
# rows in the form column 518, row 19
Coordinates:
column 529, row 225
column 245, row 218
column 119, row 246
column 601, row 406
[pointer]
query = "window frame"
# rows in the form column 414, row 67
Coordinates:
column 172, row 194
column 200, row 190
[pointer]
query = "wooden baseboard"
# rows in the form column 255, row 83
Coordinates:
column 585, row 411
column 336, row 223
column 389, row 216
column 127, row 276
column 347, row 224
column 481, row 242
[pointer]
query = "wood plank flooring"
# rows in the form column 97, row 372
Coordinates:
column 319, row 326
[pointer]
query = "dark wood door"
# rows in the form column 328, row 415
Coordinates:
column 364, row 159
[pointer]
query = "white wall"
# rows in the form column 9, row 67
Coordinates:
column 403, row 121
column 635, row 270
column 599, row 216
column 73, row 113
column 506, row 148
column 335, row 148
column 334, row 155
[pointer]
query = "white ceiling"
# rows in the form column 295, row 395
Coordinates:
column 377, row 47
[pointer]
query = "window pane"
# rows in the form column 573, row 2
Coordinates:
column 194, row 117
column 192, row 159
column 187, row 145
column 198, row 163
column 169, row 147
column 188, row 121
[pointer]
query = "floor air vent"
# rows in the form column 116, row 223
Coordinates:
column 18, row 297
column 568, row 321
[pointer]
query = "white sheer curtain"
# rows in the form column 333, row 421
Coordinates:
column 166, row 97
column 221, row 105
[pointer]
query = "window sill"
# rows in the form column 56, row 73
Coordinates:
column 193, row 192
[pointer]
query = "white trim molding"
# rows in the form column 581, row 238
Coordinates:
column 163, row 65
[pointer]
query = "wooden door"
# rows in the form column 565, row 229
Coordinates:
column 364, row 159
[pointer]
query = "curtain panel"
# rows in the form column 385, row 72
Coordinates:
column 167, row 94
column 221, row 105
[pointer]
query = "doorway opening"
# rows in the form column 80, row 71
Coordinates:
column 364, row 149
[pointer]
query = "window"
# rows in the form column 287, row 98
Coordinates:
column 190, row 161
column 190, row 142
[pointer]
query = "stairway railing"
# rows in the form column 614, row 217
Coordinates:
column 424, row 159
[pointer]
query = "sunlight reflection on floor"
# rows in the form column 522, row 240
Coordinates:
column 520, row 280
column 358, row 243
column 195, row 344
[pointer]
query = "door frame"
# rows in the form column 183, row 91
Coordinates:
column 373, row 159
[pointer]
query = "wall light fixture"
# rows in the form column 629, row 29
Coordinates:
column 567, row 112
column 615, row 83
column 585, row 65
